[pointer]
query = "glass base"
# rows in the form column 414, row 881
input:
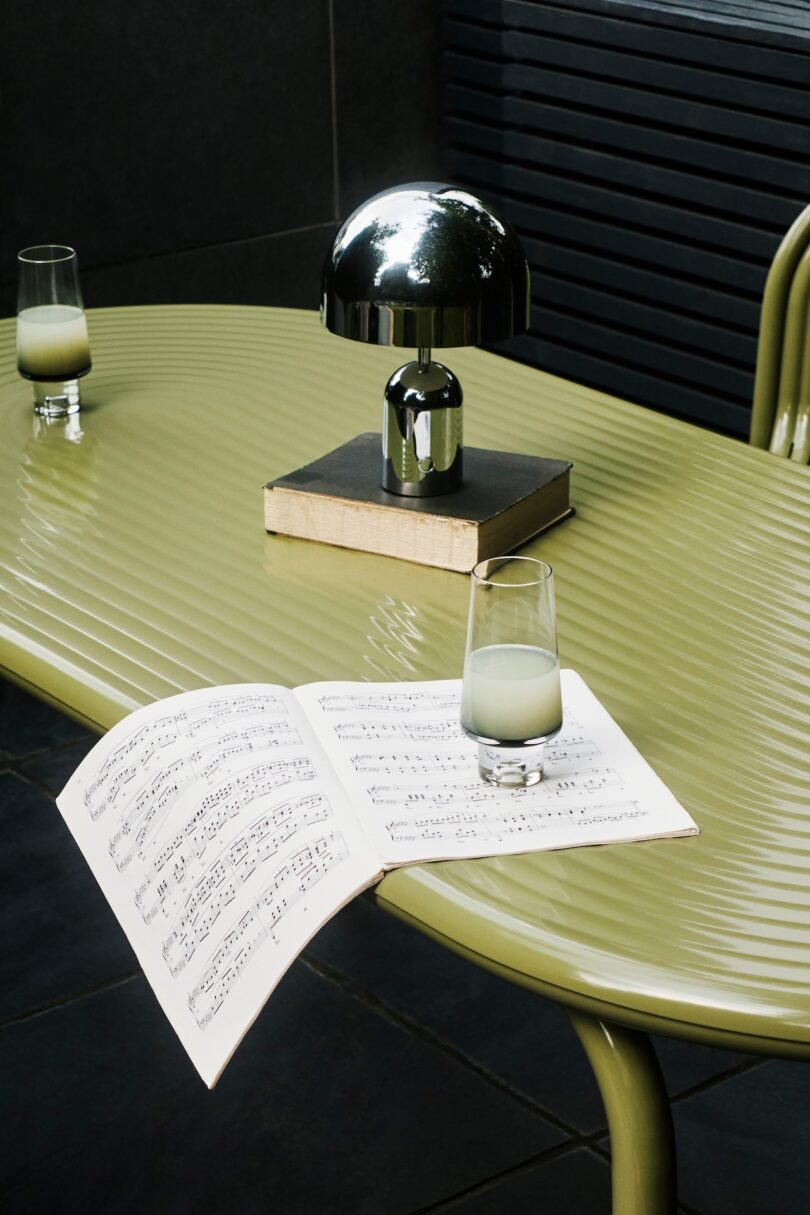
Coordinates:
column 511, row 767
column 56, row 399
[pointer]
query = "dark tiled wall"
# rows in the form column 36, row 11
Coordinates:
column 204, row 151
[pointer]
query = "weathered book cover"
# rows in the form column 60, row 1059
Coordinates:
column 506, row 499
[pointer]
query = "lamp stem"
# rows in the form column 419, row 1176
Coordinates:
column 423, row 357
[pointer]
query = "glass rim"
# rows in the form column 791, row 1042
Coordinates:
column 535, row 561
column 65, row 251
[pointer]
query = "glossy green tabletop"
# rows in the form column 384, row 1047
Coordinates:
column 134, row 564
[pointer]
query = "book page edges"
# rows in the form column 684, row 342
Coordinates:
column 427, row 539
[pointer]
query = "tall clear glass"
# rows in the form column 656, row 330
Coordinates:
column 53, row 349
column 511, row 703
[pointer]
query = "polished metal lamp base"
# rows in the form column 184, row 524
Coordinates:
column 422, row 430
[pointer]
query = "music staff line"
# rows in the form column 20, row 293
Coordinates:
column 415, row 731
column 590, row 781
column 389, row 702
column 461, row 827
column 405, row 763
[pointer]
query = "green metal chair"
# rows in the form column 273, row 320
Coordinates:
column 780, row 419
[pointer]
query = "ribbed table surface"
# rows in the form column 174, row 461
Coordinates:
column 134, row 564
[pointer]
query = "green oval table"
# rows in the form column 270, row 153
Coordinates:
column 134, row 564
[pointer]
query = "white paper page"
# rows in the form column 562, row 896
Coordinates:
column 222, row 842
column 413, row 776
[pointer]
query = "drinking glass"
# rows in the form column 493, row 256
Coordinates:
column 53, row 350
column 511, row 703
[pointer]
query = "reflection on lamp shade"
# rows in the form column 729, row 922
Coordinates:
column 426, row 264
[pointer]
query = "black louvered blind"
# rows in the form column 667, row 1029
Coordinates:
column 651, row 154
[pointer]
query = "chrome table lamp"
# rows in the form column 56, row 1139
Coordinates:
column 425, row 265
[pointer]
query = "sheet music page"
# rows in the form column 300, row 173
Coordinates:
column 412, row 775
column 222, row 841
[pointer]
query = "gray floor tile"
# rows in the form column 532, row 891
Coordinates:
column 58, row 933
column 55, row 767
column 577, row 1183
column 744, row 1145
column 27, row 724
column 521, row 1038
column 326, row 1107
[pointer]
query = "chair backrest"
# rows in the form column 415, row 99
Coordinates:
column 792, row 369
column 801, row 431
column 780, row 420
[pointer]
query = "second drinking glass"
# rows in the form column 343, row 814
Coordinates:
column 511, row 703
column 53, row 349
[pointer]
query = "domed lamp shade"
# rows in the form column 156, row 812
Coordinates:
column 425, row 265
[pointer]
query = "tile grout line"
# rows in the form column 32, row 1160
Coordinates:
column 38, row 752
column 17, row 764
column 34, row 781
column 702, row 1086
column 489, row 1183
column 72, row 998
column 220, row 244
column 413, row 1027
column 333, row 106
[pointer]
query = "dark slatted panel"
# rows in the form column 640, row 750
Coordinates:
column 651, row 163
column 772, row 21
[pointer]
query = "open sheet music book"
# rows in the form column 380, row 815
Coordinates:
column 227, row 825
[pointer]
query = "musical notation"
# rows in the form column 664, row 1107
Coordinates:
column 567, row 747
column 415, row 731
column 406, row 763
column 207, row 816
column 137, row 750
column 389, row 702
column 166, row 883
column 508, row 824
column 470, row 792
column 297, row 874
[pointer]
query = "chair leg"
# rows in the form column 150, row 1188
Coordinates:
column 642, row 1142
